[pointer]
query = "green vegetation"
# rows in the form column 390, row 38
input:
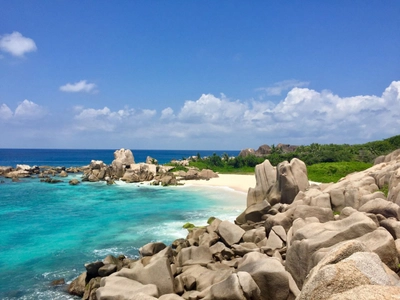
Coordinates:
column 325, row 162
column 332, row 172
column 224, row 164
column 188, row 226
column 178, row 168
column 385, row 189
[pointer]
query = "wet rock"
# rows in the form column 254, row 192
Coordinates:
column 74, row 182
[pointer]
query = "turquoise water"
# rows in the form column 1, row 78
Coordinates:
column 48, row 231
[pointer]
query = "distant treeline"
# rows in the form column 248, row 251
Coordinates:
column 311, row 154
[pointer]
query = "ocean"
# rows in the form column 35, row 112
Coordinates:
column 49, row 231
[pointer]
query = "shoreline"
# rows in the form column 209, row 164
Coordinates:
column 237, row 182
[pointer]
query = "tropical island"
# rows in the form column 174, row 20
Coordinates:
column 296, row 239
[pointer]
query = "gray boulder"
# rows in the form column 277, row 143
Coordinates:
column 194, row 256
column 151, row 248
column 263, row 150
column 247, row 152
column 383, row 207
column 291, row 179
column 122, row 288
column 230, row 233
column 122, row 158
column 255, row 211
column 394, row 187
column 269, row 275
column 150, row 160
column 314, row 236
column 74, row 182
column 369, row 292
column 286, row 218
column 77, row 286
column 360, row 268
column 239, row 286
column 265, row 178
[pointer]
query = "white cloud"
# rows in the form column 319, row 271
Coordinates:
column 167, row 113
column 16, row 44
column 104, row 119
column 26, row 110
column 81, row 86
column 5, row 112
column 277, row 88
column 302, row 116
column 29, row 110
column 210, row 109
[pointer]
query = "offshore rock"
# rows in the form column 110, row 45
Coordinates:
column 122, row 158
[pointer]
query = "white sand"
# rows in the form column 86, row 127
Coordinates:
column 240, row 183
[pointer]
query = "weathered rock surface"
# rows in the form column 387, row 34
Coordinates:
column 116, row 288
column 280, row 184
column 268, row 273
column 294, row 241
column 344, row 272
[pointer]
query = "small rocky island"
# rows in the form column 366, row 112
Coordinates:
column 293, row 241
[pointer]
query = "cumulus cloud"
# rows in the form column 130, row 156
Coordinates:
column 303, row 116
column 167, row 113
column 277, row 88
column 16, row 44
column 210, row 109
column 5, row 112
column 106, row 120
column 81, row 86
column 26, row 110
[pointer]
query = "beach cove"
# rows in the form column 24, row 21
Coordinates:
column 50, row 231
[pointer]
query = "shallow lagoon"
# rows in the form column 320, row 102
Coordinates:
column 50, row 230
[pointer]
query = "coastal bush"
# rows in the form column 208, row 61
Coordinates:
column 385, row 189
column 330, row 161
column 333, row 171
column 177, row 168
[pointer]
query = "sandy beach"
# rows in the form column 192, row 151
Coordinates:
column 239, row 183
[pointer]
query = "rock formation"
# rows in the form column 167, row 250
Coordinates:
column 294, row 241
column 265, row 150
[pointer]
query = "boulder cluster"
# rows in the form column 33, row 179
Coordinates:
column 123, row 167
column 45, row 173
column 265, row 149
column 293, row 241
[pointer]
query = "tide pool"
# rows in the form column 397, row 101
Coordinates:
column 48, row 231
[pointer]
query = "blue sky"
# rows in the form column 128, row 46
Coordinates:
column 197, row 74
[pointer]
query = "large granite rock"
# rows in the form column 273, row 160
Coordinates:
column 291, row 178
column 230, row 233
column 269, row 275
column 265, row 178
column 139, row 172
column 122, row 288
column 280, row 184
column 153, row 270
column 122, row 158
column 369, row 292
column 314, row 236
column 247, row 152
column 239, row 286
column 347, row 266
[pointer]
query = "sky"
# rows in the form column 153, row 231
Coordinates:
column 204, row 75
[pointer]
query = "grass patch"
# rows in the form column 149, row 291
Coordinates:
column 177, row 168
column 332, row 172
column 385, row 190
column 225, row 169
